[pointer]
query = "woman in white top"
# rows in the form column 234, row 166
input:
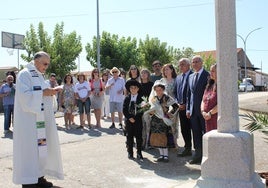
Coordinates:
column 106, row 104
column 82, row 93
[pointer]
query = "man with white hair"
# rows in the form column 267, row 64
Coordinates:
column 181, row 86
column 116, row 86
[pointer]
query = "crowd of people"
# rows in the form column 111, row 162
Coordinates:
column 151, row 107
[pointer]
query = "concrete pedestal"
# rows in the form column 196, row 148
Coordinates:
column 228, row 161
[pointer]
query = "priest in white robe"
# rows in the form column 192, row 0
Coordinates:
column 36, row 148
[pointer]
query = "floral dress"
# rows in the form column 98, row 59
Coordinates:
column 69, row 105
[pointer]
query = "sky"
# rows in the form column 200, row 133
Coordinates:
column 180, row 23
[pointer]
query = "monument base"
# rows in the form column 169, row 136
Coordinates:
column 228, row 161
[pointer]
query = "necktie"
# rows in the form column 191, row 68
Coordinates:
column 195, row 79
column 182, row 82
column 181, row 89
column 132, row 109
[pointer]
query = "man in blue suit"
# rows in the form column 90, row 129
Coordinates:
column 180, row 91
column 197, row 84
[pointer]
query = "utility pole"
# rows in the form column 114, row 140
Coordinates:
column 98, row 38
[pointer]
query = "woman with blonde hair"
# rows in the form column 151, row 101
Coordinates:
column 146, row 88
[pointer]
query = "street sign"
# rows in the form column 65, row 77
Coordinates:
column 12, row 40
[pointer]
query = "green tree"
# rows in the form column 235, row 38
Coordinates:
column 114, row 51
column 208, row 61
column 31, row 44
column 64, row 49
column 181, row 53
column 152, row 49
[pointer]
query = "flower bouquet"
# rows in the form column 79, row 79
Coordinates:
column 144, row 106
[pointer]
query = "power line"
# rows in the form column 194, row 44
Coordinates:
column 159, row 8
column 108, row 12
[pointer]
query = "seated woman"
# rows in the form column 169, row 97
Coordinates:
column 163, row 110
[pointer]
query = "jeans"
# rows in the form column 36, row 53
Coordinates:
column 84, row 106
column 8, row 110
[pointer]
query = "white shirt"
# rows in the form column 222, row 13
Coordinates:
column 134, row 97
column 117, row 90
column 82, row 89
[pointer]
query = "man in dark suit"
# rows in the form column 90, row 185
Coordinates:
column 181, row 87
column 197, row 84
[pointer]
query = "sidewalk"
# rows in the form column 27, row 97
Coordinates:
column 97, row 158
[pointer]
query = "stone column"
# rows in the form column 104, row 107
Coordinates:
column 228, row 154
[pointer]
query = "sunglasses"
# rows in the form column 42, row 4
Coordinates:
column 133, row 68
column 114, row 72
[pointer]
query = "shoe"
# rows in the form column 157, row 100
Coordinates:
column 186, row 152
column 67, row 126
column 80, row 127
column 112, row 126
column 165, row 159
column 160, row 159
column 29, row 186
column 140, row 157
column 6, row 131
column 120, row 126
column 196, row 160
column 42, row 182
column 130, row 156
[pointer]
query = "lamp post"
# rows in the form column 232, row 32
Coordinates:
column 245, row 55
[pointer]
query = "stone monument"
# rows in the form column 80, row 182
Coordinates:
column 228, row 153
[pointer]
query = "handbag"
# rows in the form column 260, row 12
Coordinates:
column 158, row 140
